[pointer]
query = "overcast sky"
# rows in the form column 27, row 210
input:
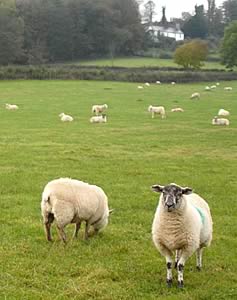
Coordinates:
column 174, row 8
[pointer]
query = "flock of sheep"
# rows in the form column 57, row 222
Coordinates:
column 182, row 223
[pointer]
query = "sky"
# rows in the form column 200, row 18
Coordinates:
column 174, row 8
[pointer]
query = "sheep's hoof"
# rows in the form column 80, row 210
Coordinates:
column 180, row 284
column 169, row 282
column 199, row 268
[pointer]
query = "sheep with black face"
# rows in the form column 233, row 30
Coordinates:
column 182, row 225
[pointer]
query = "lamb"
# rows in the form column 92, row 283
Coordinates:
column 157, row 110
column 98, row 119
column 195, row 96
column 65, row 118
column 177, row 109
column 220, row 121
column 228, row 88
column 97, row 109
column 223, row 112
column 68, row 201
column 11, row 106
column 182, row 224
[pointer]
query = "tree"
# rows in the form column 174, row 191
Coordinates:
column 196, row 26
column 228, row 47
column 191, row 54
column 149, row 12
column 230, row 11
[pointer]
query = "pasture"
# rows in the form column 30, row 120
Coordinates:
column 125, row 157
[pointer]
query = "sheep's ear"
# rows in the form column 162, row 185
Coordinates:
column 187, row 191
column 111, row 211
column 157, row 188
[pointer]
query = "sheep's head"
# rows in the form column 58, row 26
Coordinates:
column 171, row 195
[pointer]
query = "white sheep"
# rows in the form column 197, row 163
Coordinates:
column 195, row 96
column 173, row 82
column 158, row 82
column 223, row 112
column 228, row 88
column 207, row 88
column 182, row 225
column 218, row 83
column 140, row 87
column 98, row 119
column 157, row 110
column 65, row 118
column 220, row 121
column 97, row 109
column 213, row 87
column 11, row 106
column 147, row 84
column 68, row 201
column 177, row 109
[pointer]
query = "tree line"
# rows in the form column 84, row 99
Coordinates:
column 40, row 31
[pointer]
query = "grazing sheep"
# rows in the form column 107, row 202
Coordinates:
column 157, row 110
column 68, row 201
column 213, row 87
column 182, row 224
column 218, row 83
column 177, row 109
column 207, row 88
column 158, row 82
column 140, row 87
column 97, row 109
column 11, row 106
column 147, row 84
column 220, row 121
column 195, row 96
column 65, row 118
column 228, row 88
column 223, row 112
column 173, row 83
column 98, row 119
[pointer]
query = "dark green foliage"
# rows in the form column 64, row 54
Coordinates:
column 229, row 46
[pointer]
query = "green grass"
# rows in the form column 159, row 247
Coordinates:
column 125, row 157
column 143, row 62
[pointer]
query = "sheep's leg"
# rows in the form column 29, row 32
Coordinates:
column 183, row 258
column 47, row 226
column 152, row 115
column 168, row 257
column 199, row 258
column 87, row 230
column 177, row 256
column 62, row 234
column 77, row 227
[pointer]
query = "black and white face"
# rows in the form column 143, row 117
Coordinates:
column 171, row 195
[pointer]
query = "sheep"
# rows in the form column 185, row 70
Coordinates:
column 223, row 112
column 65, row 118
column 207, row 88
column 98, row 119
column 158, row 82
column 195, row 96
column 157, row 110
column 97, row 109
column 182, row 224
column 140, row 87
column 220, row 121
column 228, row 88
column 218, row 83
column 11, row 106
column 213, row 87
column 68, row 201
column 173, row 82
column 177, row 109
column 147, row 84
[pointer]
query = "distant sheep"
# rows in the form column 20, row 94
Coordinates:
column 173, row 82
column 98, row 119
column 195, row 96
column 157, row 110
column 218, row 83
column 65, row 118
column 223, row 112
column 11, row 106
column 147, row 84
column 228, row 88
column 158, row 82
column 97, row 109
column 68, row 201
column 207, row 88
column 177, row 109
column 182, row 225
column 213, row 87
column 220, row 121
column 140, row 87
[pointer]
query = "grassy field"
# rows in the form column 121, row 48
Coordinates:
column 143, row 62
column 125, row 157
